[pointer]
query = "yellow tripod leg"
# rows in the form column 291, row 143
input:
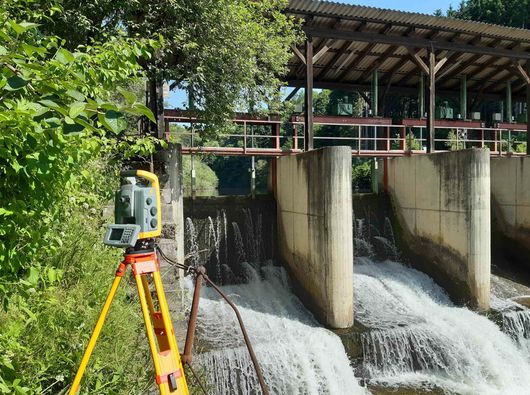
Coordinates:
column 182, row 386
column 149, row 328
column 94, row 337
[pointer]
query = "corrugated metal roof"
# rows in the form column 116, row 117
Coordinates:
column 349, row 66
column 334, row 9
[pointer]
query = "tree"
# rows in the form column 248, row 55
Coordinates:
column 514, row 13
column 56, row 114
column 229, row 53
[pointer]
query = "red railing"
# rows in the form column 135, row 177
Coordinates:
column 368, row 137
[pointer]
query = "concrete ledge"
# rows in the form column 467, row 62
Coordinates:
column 442, row 202
column 315, row 241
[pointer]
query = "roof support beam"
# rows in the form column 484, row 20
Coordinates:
column 415, row 42
column 292, row 94
column 399, row 90
column 320, row 53
column 361, row 54
column 308, row 95
column 415, row 58
column 432, row 101
column 382, row 59
column 522, row 72
column 298, row 54
column 527, row 111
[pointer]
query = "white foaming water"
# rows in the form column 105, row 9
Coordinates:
column 515, row 320
column 295, row 354
column 419, row 338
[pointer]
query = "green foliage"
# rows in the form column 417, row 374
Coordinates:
column 205, row 178
column 412, row 143
column 43, row 334
column 521, row 147
column 230, row 52
column 454, row 144
column 361, row 173
column 514, row 13
column 55, row 115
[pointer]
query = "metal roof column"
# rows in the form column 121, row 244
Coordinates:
column 509, row 109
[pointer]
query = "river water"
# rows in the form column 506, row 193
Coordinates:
column 414, row 338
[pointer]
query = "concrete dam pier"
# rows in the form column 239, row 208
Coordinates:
column 447, row 209
column 442, row 207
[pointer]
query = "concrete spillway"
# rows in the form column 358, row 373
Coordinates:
column 414, row 336
column 420, row 329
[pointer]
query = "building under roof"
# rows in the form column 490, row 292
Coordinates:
column 358, row 48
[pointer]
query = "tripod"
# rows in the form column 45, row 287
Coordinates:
column 159, row 328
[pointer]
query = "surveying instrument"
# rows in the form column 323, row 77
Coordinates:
column 138, row 222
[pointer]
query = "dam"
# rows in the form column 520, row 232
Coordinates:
column 418, row 283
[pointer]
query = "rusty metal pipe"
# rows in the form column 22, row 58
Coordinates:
column 192, row 323
column 244, row 331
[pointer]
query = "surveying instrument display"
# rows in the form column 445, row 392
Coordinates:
column 138, row 222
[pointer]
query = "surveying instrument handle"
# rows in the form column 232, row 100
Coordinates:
column 138, row 222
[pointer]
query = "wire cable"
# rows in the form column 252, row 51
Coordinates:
column 191, row 269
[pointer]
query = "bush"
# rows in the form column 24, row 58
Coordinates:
column 45, row 329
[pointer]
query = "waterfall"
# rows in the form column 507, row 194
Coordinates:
column 413, row 338
column 297, row 356
column 514, row 318
column 417, row 338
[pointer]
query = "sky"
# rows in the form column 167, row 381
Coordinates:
column 422, row 6
column 178, row 98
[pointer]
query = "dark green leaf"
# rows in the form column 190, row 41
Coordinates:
column 142, row 109
column 15, row 83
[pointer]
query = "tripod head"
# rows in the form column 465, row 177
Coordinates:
column 137, row 210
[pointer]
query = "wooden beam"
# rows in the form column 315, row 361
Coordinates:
column 377, row 63
column 415, row 58
column 333, row 61
column 308, row 96
column 361, row 54
column 454, row 59
column 447, row 70
column 432, row 102
column 522, row 72
column 397, row 90
column 329, row 43
column 439, row 65
column 292, row 94
column 411, row 42
column 298, row 54
column 320, row 53
column 396, row 68
column 383, row 58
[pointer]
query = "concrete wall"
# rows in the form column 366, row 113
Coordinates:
column 315, row 242
column 442, row 202
column 168, row 167
column 510, row 189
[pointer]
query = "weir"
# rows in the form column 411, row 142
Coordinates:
column 415, row 278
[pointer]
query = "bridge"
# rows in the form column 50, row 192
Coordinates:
column 482, row 70
column 368, row 137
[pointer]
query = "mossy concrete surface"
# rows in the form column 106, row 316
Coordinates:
column 442, row 202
